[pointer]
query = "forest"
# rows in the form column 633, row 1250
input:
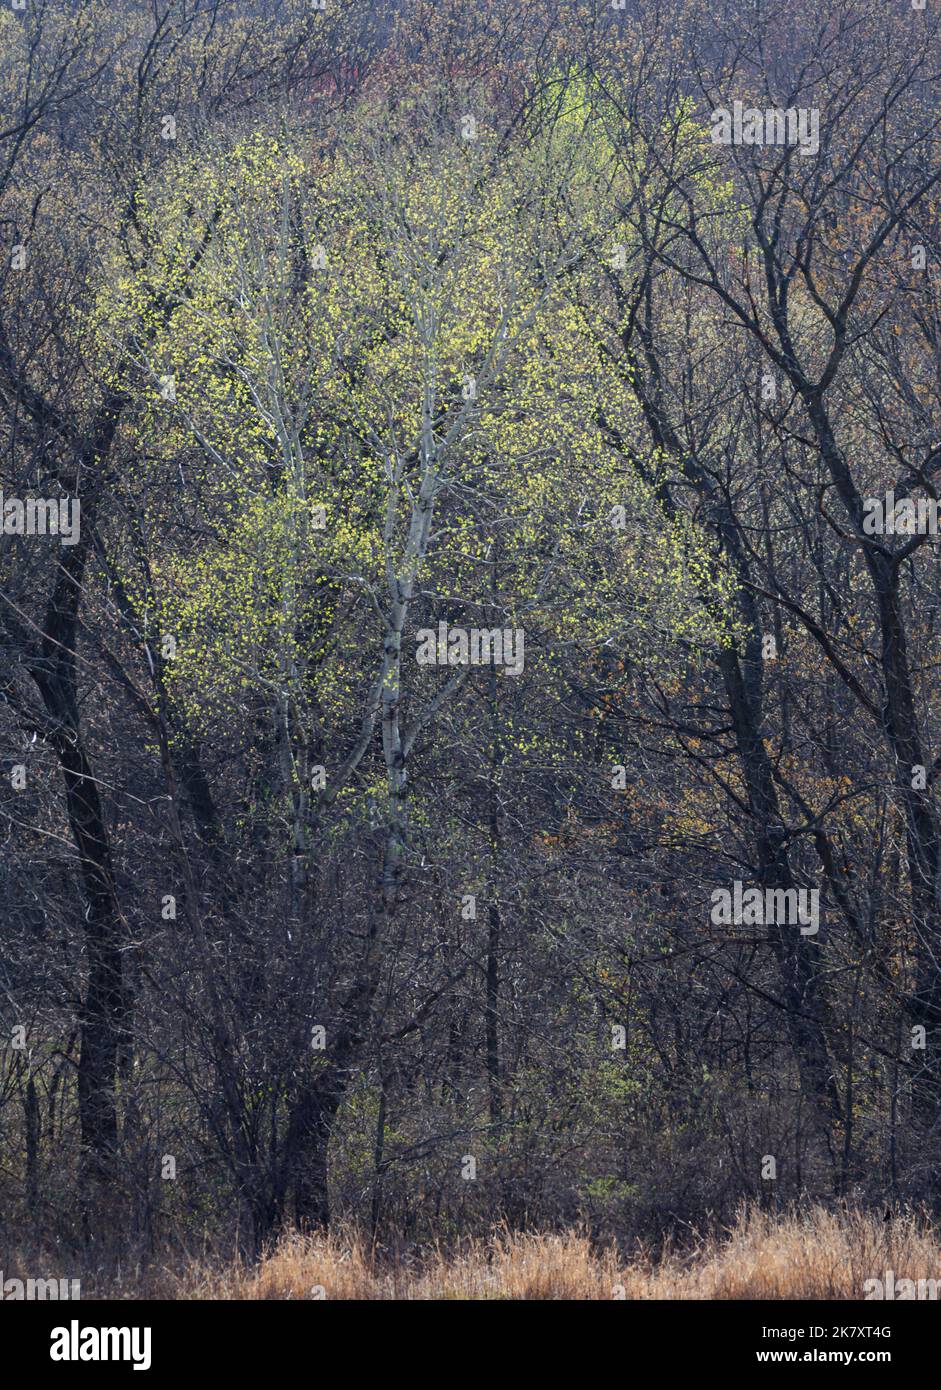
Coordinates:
column 470, row 624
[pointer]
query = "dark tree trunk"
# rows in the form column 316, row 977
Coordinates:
column 793, row 952
column 743, row 681
column 308, row 1149
column 102, row 1020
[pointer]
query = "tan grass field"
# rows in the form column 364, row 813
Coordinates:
column 817, row 1254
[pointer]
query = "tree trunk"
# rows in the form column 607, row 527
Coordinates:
column 102, row 1014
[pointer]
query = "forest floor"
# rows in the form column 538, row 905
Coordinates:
column 817, row 1254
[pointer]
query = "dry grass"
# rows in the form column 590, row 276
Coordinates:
column 813, row 1254
column 817, row 1254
